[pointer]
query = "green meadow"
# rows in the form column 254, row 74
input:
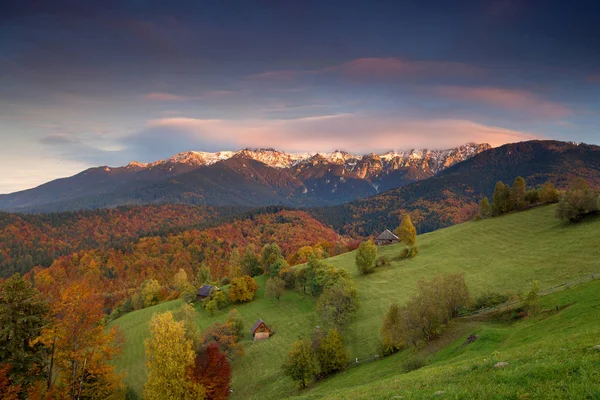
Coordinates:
column 502, row 254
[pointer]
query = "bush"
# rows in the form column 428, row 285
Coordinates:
column 414, row 363
column 383, row 261
column 225, row 281
column 577, row 202
column 489, row 299
column 409, row 252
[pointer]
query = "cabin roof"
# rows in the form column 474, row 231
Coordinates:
column 257, row 324
column 204, row 291
column 387, row 235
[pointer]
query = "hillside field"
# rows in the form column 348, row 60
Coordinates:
column 502, row 254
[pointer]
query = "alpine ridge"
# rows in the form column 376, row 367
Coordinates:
column 248, row 177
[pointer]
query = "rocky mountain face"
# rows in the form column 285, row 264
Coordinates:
column 252, row 177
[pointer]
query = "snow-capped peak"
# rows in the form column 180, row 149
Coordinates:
column 435, row 159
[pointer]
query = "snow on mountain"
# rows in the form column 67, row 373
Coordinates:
column 430, row 161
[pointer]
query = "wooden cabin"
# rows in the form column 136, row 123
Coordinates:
column 260, row 330
column 386, row 237
column 204, row 292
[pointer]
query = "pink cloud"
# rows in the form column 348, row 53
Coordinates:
column 594, row 78
column 377, row 67
column 390, row 67
column 506, row 98
column 162, row 96
column 356, row 133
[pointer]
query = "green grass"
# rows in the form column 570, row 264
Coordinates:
column 549, row 357
column 502, row 254
column 292, row 315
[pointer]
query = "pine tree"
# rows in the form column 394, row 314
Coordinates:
column 406, row 232
column 22, row 318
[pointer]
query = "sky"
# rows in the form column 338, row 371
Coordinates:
column 104, row 83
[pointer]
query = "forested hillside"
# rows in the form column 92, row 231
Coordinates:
column 452, row 196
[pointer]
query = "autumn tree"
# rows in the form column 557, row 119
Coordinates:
column 9, row 389
column 188, row 315
column 227, row 336
column 302, row 364
column 150, row 292
column 338, row 303
column 81, row 348
column 22, row 317
column 236, row 323
column 406, row 232
column 250, row 263
column 320, row 276
column 242, row 289
column 270, row 255
column 169, row 354
column 517, row 193
column 578, row 201
column 332, row 353
column 275, row 287
column 366, row 256
column 485, row 209
column 188, row 293
column 548, row 193
column 204, row 275
column 392, row 334
column 180, row 280
column 212, row 371
column 216, row 300
column 235, row 263
column 500, row 203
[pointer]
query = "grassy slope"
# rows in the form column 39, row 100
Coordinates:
column 549, row 357
column 503, row 254
column 259, row 369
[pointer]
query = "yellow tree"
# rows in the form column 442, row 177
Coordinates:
column 406, row 232
column 80, row 347
column 168, row 355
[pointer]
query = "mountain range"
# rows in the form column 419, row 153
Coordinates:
column 248, row 177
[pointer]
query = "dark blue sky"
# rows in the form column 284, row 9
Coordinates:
column 94, row 83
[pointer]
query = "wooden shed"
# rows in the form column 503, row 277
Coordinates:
column 260, row 330
column 205, row 291
column 386, row 237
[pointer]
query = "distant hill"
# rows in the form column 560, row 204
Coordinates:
column 451, row 197
column 246, row 177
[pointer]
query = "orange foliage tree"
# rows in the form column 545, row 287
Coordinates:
column 212, row 370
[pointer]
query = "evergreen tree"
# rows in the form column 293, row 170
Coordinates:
column 485, row 210
column 406, row 232
column 366, row 256
column 22, row 317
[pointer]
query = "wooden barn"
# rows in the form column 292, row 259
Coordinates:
column 386, row 237
column 204, row 291
column 260, row 330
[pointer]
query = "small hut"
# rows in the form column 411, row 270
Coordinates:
column 260, row 330
column 386, row 237
column 205, row 291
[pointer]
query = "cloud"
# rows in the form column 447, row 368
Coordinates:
column 509, row 99
column 355, row 133
column 395, row 67
column 162, row 96
column 377, row 68
column 594, row 78
column 57, row 139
